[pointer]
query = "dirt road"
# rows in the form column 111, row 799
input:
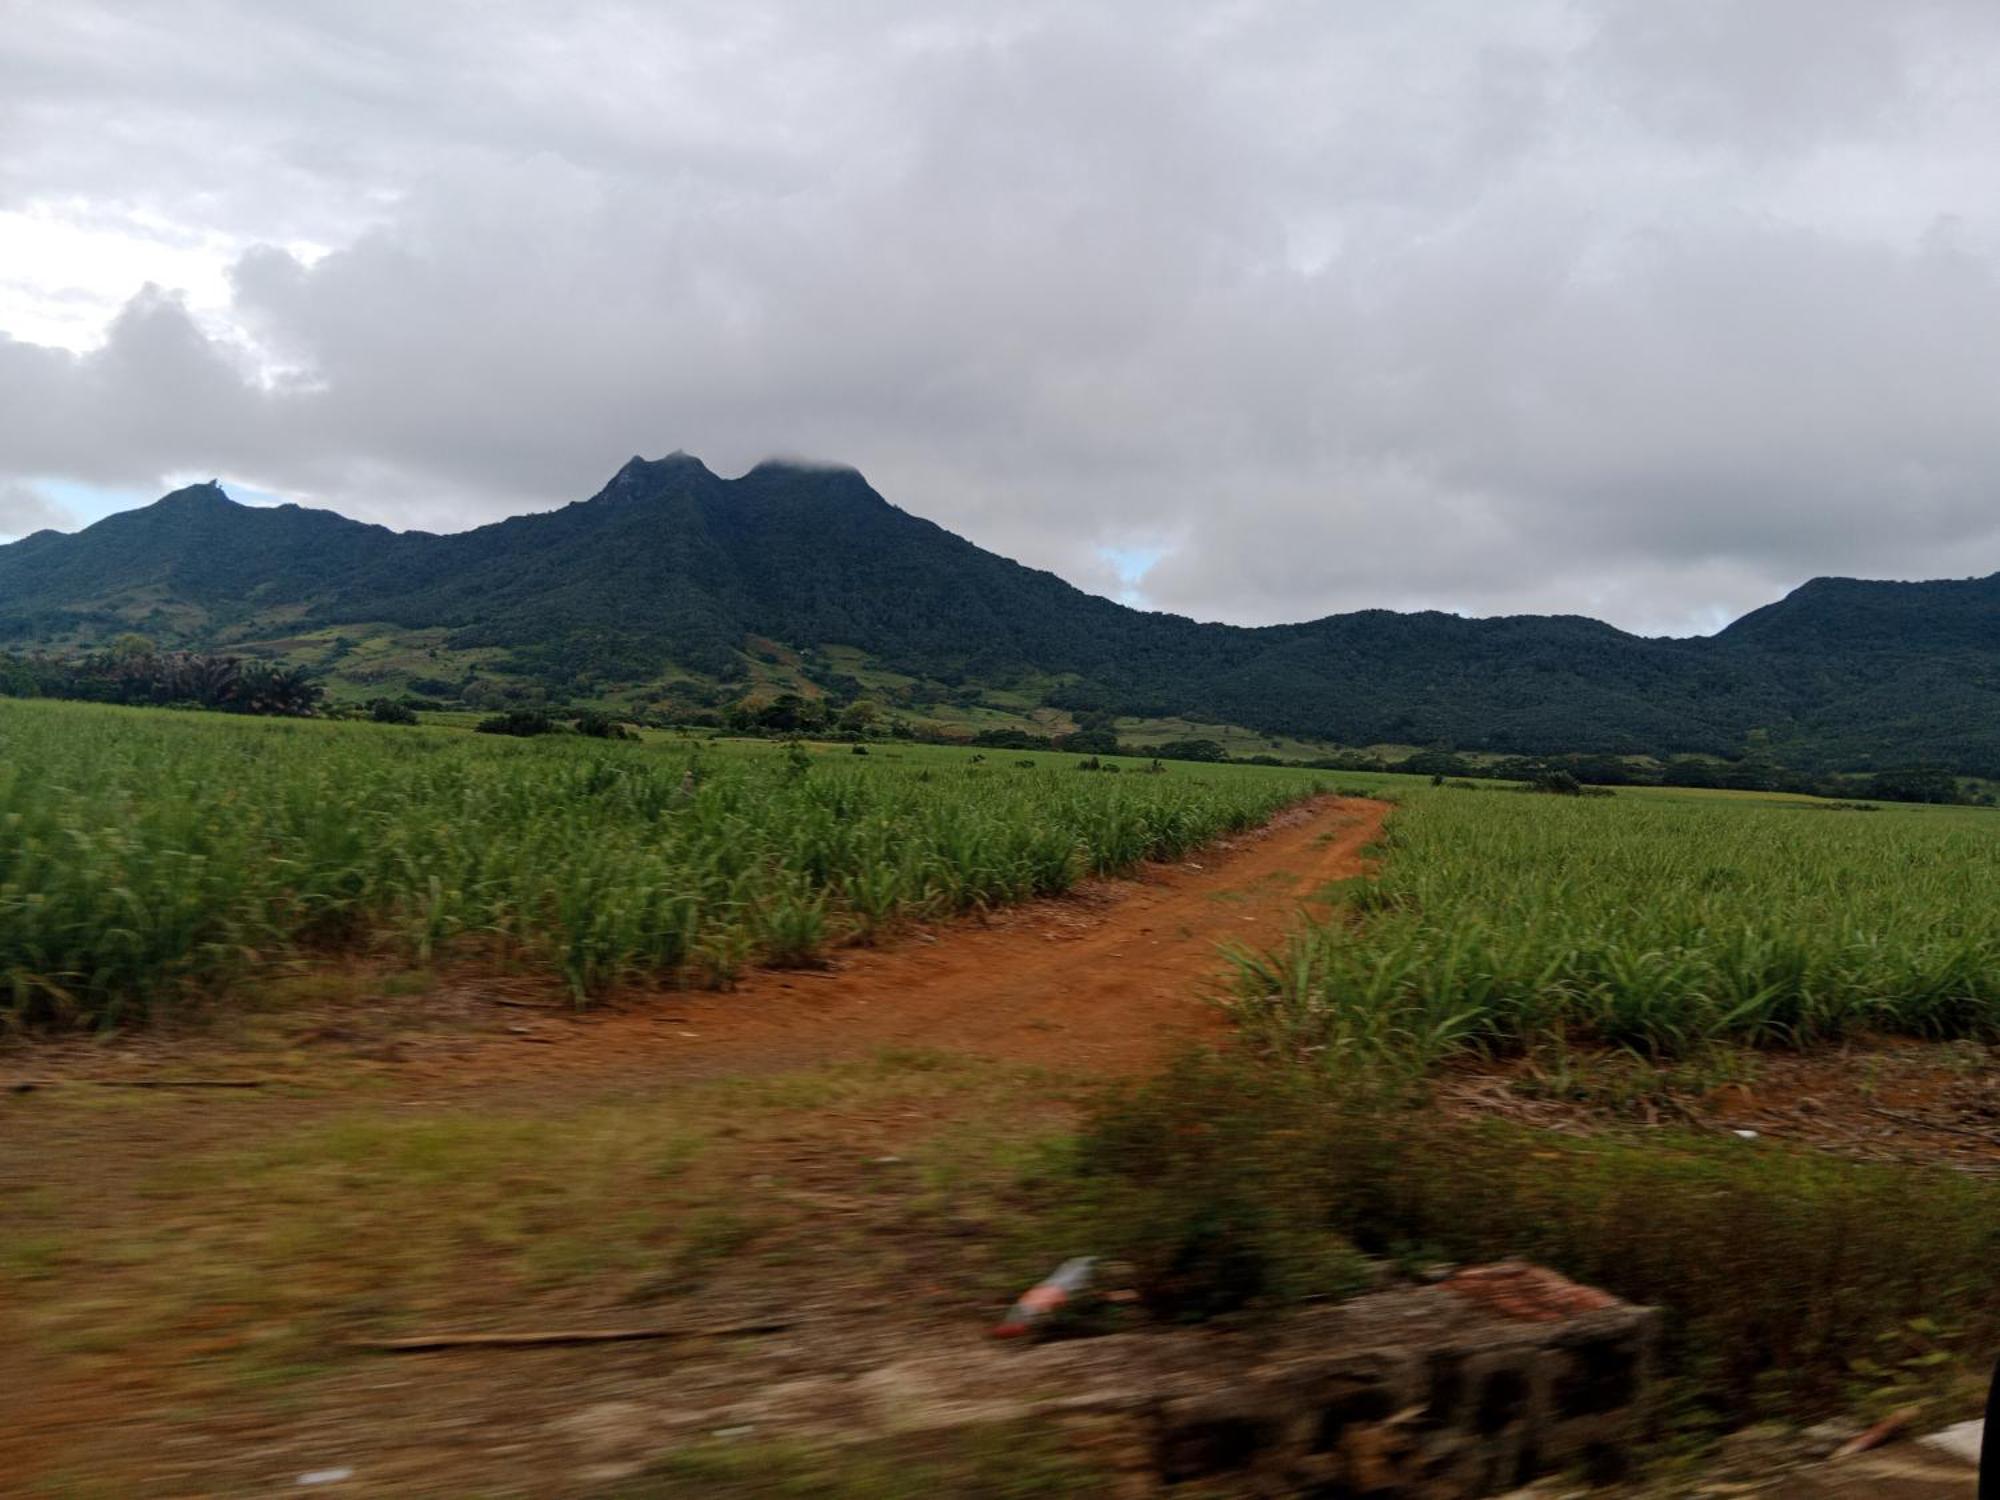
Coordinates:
column 182, row 1273
column 1103, row 980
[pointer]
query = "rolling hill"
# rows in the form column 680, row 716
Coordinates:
column 671, row 571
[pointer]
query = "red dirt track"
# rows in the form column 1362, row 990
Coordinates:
column 1104, row 980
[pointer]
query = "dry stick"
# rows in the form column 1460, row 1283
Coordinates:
column 177, row 1083
column 430, row 1341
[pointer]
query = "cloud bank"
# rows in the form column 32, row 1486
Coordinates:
column 1647, row 312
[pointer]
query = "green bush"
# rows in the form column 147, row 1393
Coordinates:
column 1192, row 1177
column 598, row 726
column 521, row 723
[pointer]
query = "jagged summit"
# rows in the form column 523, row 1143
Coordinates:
column 208, row 493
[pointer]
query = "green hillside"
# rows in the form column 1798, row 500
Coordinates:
column 672, row 580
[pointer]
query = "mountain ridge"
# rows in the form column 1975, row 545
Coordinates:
column 670, row 569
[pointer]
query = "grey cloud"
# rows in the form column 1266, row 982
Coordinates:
column 1642, row 311
column 24, row 509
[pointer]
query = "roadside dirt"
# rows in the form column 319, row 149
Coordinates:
column 1882, row 1099
column 187, row 1267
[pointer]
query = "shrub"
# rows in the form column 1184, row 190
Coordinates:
column 1201, row 750
column 600, row 726
column 1190, row 1176
column 389, row 711
column 1088, row 742
column 520, row 722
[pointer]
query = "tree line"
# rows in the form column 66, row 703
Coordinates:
column 132, row 671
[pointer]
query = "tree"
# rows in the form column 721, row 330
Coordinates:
column 860, row 716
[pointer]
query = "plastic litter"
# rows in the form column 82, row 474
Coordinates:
column 1960, row 1442
column 1047, row 1297
column 325, row 1476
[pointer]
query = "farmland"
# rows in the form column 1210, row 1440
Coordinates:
column 1652, row 920
column 877, row 1038
column 148, row 855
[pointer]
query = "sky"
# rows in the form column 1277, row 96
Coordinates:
column 1253, row 310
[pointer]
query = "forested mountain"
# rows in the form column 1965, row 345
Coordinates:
column 671, row 569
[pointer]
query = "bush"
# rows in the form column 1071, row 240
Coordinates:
column 520, row 722
column 1088, row 742
column 389, row 711
column 1200, row 750
column 1191, row 1177
column 598, row 726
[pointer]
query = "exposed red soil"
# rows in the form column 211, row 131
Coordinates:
column 1102, row 981
column 1099, row 983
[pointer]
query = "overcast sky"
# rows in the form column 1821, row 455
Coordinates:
column 1253, row 311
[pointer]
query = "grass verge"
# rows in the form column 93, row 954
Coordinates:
column 1793, row 1283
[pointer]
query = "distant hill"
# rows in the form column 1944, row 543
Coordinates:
column 673, row 572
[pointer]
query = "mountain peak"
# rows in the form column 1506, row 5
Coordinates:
column 208, row 495
column 679, row 460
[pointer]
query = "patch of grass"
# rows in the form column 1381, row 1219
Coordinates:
column 364, row 1222
column 1784, row 1275
column 31, row 1257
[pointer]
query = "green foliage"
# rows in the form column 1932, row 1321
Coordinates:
column 1200, row 750
column 1188, row 1177
column 1915, row 784
column 1089, row 742
column 670, row 563
column 521, row 723
column 389, row 711
column 132, row 672
column 1783, row 1274
column 1647, row 921
column 599, row 726
column 147, row 855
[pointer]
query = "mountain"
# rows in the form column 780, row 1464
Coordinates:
column 671, row 572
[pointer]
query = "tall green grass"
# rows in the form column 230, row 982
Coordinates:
column 1658, row 924
column 146, row 854
column 1793, row 1282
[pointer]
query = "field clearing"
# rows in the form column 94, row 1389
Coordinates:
column 1660, row 921
column 144, row 855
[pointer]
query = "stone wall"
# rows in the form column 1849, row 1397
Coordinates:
column 1439, row 1391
